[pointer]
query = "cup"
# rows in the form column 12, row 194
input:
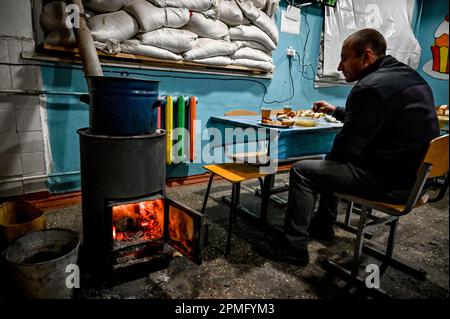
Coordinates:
column 287, row 109
column 265, row 112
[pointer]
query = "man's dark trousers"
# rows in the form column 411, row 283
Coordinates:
column 325, row 177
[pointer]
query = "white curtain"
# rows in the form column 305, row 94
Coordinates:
column 389, row 17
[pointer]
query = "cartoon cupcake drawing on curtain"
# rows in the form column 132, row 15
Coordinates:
column 439, row 65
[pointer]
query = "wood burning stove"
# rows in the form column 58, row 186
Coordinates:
column 127, row 219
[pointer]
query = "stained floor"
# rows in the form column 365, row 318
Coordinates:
column 422, row 241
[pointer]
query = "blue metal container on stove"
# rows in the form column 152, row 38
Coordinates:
column 122, row 105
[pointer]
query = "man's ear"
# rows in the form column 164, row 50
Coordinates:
column 369, row 56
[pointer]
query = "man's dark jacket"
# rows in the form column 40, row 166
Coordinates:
column 389, row 120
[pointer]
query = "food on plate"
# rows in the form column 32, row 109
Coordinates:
column 442, row 110
column 285, row 122
column 305, row 121
column 330, row 119
column 307, row 118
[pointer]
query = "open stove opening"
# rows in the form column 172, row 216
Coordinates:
column 137, row 223
column 142, row 228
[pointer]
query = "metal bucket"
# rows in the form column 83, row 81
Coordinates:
column 121, row 105
column 38, row 262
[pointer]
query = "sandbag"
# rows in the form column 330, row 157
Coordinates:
column 174, row 40
column 217, row 60
column 253, row 45
column 206, row 48
column 252, row 33
column 207, row 28
column 272, row 7
column 268, row 66
column 248, row 9
column 105, row 6
column 231, row 14
column 148, row 16
column 116, row 25
column 53, row 16
column 193, row 5
column 176, row 17
column 260, row 19
column 252, row 54
column 265, row 23
column 134, row 46
column 65, row 37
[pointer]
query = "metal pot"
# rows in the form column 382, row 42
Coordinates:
column 122, row 105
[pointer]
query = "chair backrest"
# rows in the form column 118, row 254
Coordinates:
column 437, row 156
column 240, row 113
column 434, row 164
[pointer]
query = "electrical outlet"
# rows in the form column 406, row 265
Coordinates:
column 290, row 52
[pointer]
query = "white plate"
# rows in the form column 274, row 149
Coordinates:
column 273, row 125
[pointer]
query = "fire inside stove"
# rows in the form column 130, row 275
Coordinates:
column 151, row 223
column 138, row 222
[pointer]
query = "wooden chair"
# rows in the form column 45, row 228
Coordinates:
column 235, row 173
column 434, row 164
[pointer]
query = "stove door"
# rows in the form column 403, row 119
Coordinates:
column 184, row 229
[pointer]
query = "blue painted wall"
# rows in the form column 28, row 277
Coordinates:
column 216, row 94
column 433, row 13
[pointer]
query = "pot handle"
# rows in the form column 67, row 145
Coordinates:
column 85, row 98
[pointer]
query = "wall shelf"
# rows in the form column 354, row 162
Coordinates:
column 56, row 53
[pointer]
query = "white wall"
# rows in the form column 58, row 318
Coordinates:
column 22, row 154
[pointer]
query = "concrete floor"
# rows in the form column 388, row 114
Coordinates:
column 422, row 241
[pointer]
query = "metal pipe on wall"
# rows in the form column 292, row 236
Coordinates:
column 86, row 47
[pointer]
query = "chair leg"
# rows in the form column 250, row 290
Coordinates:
column 346, row 224
column 359, row 243
column 237, row 199
column 387, row 258
column 351, row 276
column 208, row 189
column 390, row 245
column 348, row 214
column 265, row 197
column 233, row 210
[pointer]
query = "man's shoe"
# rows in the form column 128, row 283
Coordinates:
column 320, row 231
column 282, row 252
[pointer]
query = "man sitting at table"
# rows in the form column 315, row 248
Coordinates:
column 389, row 121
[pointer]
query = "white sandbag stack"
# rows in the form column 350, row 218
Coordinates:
column 213, row 32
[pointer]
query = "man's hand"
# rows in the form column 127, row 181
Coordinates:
column 324, row 107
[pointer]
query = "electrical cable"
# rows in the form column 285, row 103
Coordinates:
column 301, row 60
column 292, row 87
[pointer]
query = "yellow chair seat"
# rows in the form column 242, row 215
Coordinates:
column 235, row 172
column 384, row 207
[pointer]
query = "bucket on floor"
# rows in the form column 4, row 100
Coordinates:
column 38, row 263
column 18, row 218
